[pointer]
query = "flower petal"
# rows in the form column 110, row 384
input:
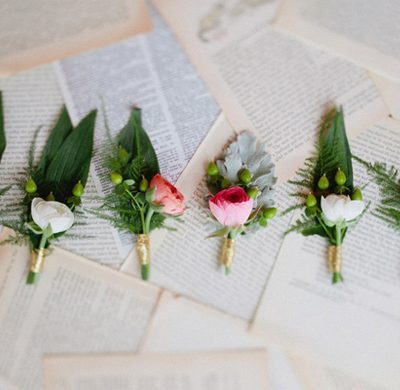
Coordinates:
column 353, row 209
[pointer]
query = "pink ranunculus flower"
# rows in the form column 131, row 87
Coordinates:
column 231, row 207
column 167, row 195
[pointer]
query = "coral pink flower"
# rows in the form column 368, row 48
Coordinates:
column 231, row 207
column 167, row 195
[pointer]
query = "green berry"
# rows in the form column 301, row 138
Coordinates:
column 78, row 189
column 116, row 178
column 263, row 222
column 340, row 178
column 270, row 212
column 50, row 197
column 253, row 192
column 30, row 186
column 323, row 183
column 123, row 155
column 143, row 184
column 357, row 194
column 311, row 200
column 225, row 183
column 245, row 176
column 212, row 169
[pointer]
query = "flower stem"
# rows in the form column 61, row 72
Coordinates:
column 325, row 228
column 337, row 276
column 147, row 223
column 33, row 276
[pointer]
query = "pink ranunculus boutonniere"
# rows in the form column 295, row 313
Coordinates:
column 242, row 196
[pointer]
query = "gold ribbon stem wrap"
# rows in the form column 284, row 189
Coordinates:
column 335, row 259
column 37, row 260
column 227, row 253
column 143, row 248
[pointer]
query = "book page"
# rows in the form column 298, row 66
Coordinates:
column 315, row 376
column 353, row 326
column 183, row 325
column 197, row 371
column 363, row 31
column 76, row 306
column 43, row 31
column 153, row 73
column 390, row 91
column 273, row 84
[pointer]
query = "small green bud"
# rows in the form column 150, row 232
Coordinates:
column 357, row 194
column 253, row 192
column 212, row 169
column 270, row 212
column 116, row 178
column 263, row 222
column 245, row 176
column 50, row 197
column 340, row 178
column 311, row 200
column 30, row 186
column 143, row 184
column 78, row 189
column 323, row 182
column 225, row 183
column 123, row 155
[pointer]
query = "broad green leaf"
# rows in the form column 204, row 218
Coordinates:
column 135, row 140
column 334, row 150
column 310, row 231
column 57, row 136
column 2, row 132
column 72, row 160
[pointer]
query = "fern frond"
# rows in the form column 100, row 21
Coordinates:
column 388, row 180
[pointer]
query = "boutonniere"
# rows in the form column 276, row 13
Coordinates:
column 53, row 187
column 388, row 180
column 141, row 199
column 330, row 201
column 241, row 192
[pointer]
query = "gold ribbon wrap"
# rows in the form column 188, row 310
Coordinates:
column 143, row 248
column 227, row 253
column 335, row 259
column 37, row 260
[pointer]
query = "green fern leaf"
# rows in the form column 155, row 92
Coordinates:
column 333, row 151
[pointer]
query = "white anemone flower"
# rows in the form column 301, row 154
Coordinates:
column 50, row 213
column 339, row 209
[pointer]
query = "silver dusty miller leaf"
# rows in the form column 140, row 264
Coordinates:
column 245, row 152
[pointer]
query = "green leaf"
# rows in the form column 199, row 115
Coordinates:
column 219, row 233
column 60, row 132
column 2, row 132
column 72, row 160
column 135, row 140
column 310, row 231
column 334, row 150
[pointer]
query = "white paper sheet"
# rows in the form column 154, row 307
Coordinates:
column 201, row 371
column 76, row 306
column 363, row 31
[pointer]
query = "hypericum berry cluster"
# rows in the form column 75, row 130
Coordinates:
column 74, row 200
column 323, row 186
